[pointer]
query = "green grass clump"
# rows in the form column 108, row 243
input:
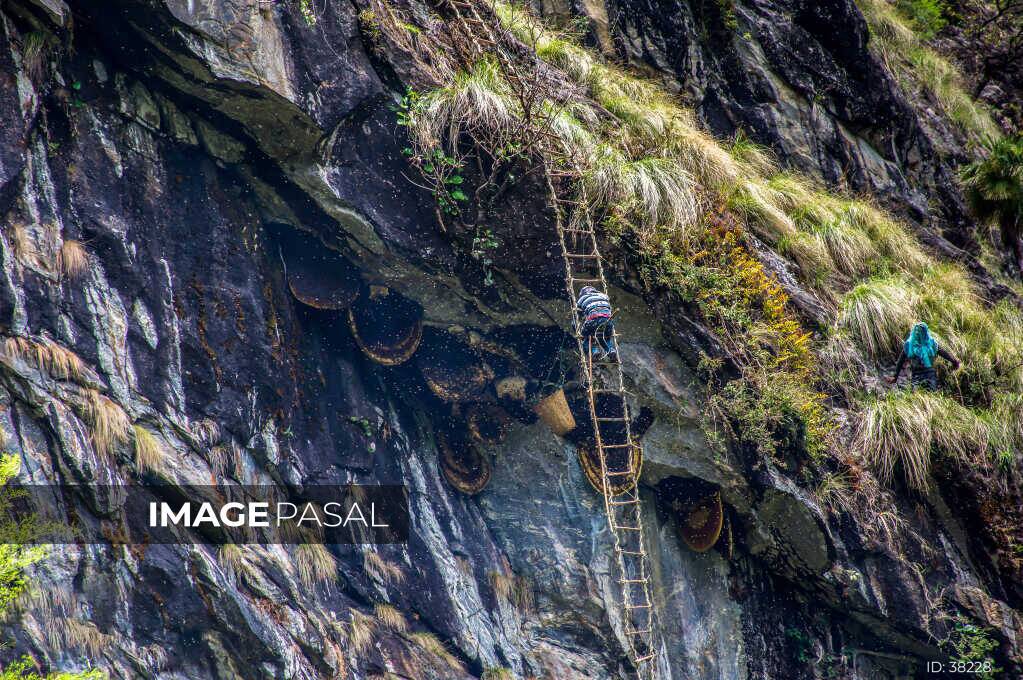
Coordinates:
column 898, row 431
column 25, row 669
column 877, row 313
column 994, row 188
column 478, row 102
column 927, row 17
column 16, row 553
column 654, row 191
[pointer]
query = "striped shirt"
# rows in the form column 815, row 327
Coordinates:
column 593, row 304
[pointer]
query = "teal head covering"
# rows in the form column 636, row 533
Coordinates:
column 920, row 345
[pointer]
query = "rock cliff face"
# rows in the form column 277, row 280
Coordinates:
column 203, row 151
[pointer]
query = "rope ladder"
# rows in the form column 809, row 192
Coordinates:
column 604, row 378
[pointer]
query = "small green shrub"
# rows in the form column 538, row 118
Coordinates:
column 16, row 552
column 727, row 10
column 968, row 643
column 928, row 17
column 24, row 669
column 877, row 314
column 305, row 8
column 994, row 188
column 17, row 555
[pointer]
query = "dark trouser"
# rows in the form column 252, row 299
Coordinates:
column 925, row 378
column 601, row 329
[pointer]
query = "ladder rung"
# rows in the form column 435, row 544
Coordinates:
column 620, row 473
column 582, row 256
column 632, row 580
column 633, row 501
column 578, row 231
column 581, row 280
column 643, row 631
column 623, row 527
column 607, row 420
column 615, row 446
column 630, row 552
column 644, row 658
column 638, row 606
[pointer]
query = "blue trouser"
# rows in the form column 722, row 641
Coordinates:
column 925, row 378
column 601, row 329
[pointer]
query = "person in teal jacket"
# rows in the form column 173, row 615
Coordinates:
column 920, row 350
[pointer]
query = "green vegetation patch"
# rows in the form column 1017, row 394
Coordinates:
column 689, row 206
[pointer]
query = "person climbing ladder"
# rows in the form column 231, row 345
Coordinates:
column 920, row 350
column 598, row 324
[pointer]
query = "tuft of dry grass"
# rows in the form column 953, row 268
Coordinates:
column 206, row 430
column 899, row 430
column 503, row 585
column 109, row 424
column 877, row 314
column 432, row 646
column 21, row 242
column 315, row 563
column 498, row 674
column 33, row 55
column 514, row 590
column 72, row 259
column 834, row 492
column 74, row 634
column 150, row 454
column 390, row 617
column 380, row 569
column 154, row 658
column 47, row 356
column 477, row 101
column 236, row 560
column 359, row 633
column 335, row 659
column 59, row 361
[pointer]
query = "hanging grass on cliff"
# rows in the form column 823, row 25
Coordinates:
column 649, row 191
column 691, row 204
column 897, row 33
column 850, row 252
